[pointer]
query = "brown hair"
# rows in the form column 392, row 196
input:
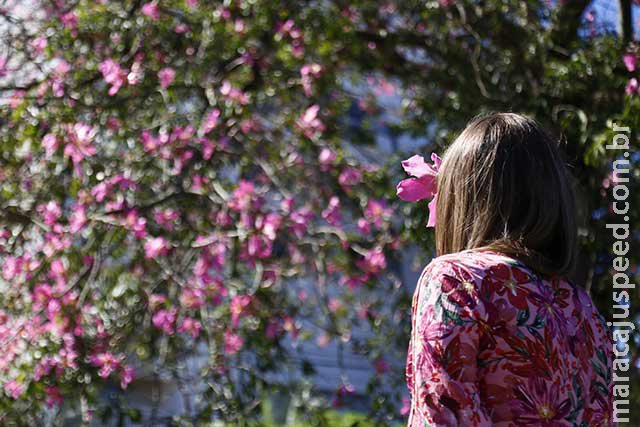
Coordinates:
column 502, row 186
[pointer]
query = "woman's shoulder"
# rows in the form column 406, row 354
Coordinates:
column 474, row 262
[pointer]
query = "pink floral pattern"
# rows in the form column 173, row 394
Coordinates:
column 495, row 344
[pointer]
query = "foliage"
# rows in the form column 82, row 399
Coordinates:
column 195, row 177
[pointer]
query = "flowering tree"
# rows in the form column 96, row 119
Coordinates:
column 176, row 180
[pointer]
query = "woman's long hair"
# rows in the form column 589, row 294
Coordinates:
column 503, row 186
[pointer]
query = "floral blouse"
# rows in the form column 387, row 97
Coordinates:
column 494, row 344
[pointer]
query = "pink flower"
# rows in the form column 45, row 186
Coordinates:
column 107, row 363
column 155, row 247
column 238, row 304
column 349, row 177
column 310, row 122
column 54, row 397
column 166, row 76
column 151, row 10
column 326, row 157
column 308, row 72
column 78, row 218
column 50, row 212
column 165, row 320
column 232, row 342
column 69, row 20
column 39, row 43
column 374, row 261
column 632, row 87
column 363, row 226
column 423, row 185
column 269, row 224
column 13, row 389
column 127, row 374
column 11, row 266
column 112, row 74
column 630, row 61
column 192, row 298
column 210, row 121
column 233, row 93
column 190, row 326
column 50, row 144
column 376, row 212
column 243, row 196
column 79, row 138
column 332, row 213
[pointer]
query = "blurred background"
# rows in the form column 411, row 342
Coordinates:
column 198, row 220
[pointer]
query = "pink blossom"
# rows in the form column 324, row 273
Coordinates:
column 182, row 28
column 238, row 304
column 157, row 246
column 232, row 342
column 138, row 225
column 165, row 320
column 11, row 266
column 78, row 218
column 192, row 3
column 300, row 220
column 151, row 10
column 349, row 177
column 326, row 156
column 423, row 185
column 14, row 389
column 210, row 121
column 258, row 247
column 630, row 61
column 50, row 212
column 234, row 93
column 54, row 397
column 107, row 362
column 363, row 226
column 39, row 43
column 310, row 122
column 332, row 212
column 70, row 20
column 190, row 326
column 156, row 300
column 269, row 224
column 192, row 298
column 376, row 212
column 166, row 76
column 127, row 374
column 242, row 197
column 166, row 218
column 632, row 87
column 112, row 74
column 79, row 137
column 308, row 72
column 238, row 25
column 373, row 262
column 50, row 144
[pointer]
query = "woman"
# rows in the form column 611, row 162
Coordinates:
column 500, row 337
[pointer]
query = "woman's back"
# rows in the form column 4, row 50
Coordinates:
column 494, row 344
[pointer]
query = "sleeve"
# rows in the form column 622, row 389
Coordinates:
column 442, row 371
